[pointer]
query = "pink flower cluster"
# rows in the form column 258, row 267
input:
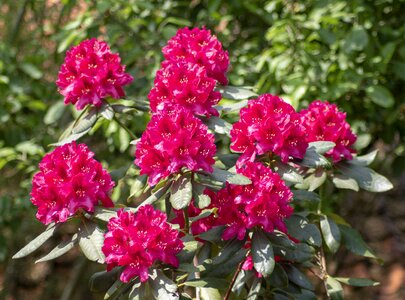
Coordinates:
column 90, row 73
column 185, row 84
column 324, row 122
column 198, row 46
column 173, row 139
column 264, row 203
column 136, row 241
column 69, row 179
column 268, row 125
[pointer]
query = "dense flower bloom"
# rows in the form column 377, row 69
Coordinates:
column 136, row 240
column 90, row 73
column 174, row 139
column 268, row 124
column 324, row 122
column 69, row 179
column 185, row 84
column 198, row 46
column 264, row 203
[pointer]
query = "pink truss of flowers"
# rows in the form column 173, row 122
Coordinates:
column 268, row 125
column 198, row 46
column 136, row 241
column 185, row 84
column 90, row 73
column 69, row 179
column 324, row 122
column 173, row 139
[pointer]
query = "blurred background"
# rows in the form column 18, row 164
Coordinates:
column 349, row 52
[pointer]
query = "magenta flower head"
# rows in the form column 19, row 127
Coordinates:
column 90, row 73
column 264, row 203
column 69, row 179
column 324, row 122
column 198, row 46
column 268, row 125
column 136, row 241
column 173, row 139
column 185, row 84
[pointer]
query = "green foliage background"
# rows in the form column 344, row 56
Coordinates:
column 348, row 52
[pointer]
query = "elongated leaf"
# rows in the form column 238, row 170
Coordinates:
column 262, row 253
column 322, row 147
column 212, row 235
column 232, row 107
column 37, row 242
column 299, row 228
column 113, row 289
column 181, row 193
column 216, row 283
column 313, row 159
column 70, row 138
column 100, row 282
column 205, row 213
column 201, row 200
column 297, row 277
column 367, row 178
column 254, row 289
column 104, row 214
column 281, row 239
column 210, row 294
column 302, row 253
column 61, row 249
column 380, row 95
column 162, row 287
column 226, row 268
column 91, row 240
column 345, row 182
column 138, row 291
column 354, row 242
column 107, row 112
column 122, row 109
column 154, row 197
column 235, row 93
column 85, row 123
column 218, row 125
column 226, row 176
column 316, row 179
column 331, row 233
column 334, row 289
column 54, row 113
column 240, row 281
column 364, row 160
column 361, row 282
column 228, row 251
column 279, row 277
column 305, row 195
column 288, row 173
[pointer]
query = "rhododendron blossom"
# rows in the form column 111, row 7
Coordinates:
column 69, row 179
column 174, row 139
column 90, row 73
column 324, row 122
column 136, row 241
column 264, row 203
column 187, row 85
column 268, row 125
column 198, row 46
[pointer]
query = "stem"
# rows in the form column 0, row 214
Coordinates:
column 186, row 220
column 228, row 292
column 125, row 128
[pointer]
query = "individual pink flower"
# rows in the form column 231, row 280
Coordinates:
column 69, row 179
column 174, row 139
column 198, row 46
column 185, row 84
column 90, row 73
column 136, row 241
column 263, row 204
column 268, row 125
column 324, row 122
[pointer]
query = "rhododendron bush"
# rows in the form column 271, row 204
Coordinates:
column 230, row 191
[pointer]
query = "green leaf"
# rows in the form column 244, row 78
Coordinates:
column 240, row 281
column 205, row 213
column 299, row 228
column 228, row 251
column 181, row 193
column 216, row 283
column 361, row 282
column 54, row 113
column 226, row 176
column 281, row 239
column 313, row 159
column 302, row 253
column 345, row 182
column 334, row 289
column 122, row 109
column 210, row 294
column 162, row 287
column 354, row 242
column 279, row 277
column 201, row 200
column 31, row 70
column 288, row 173
column 380, row 95
column 305, row 195
column 297, row 277
column 212, row 235
column 37, row 242
column 70, row 138
column 232, row 107
column 113, row 289
column 357, row 40
column 235, row 93
column 331, row 233
column 315, row 180
column 104, row 214
column 154, row 197
column 364, row 160
column 61, row 249
column 254, row 289
column 91, row 240
column 262, row 253
column 367, row 178
column 218, row 125
column 321, row 147
column 85, row 123
column 138, row 291
column 107, row 112
column 100, row 282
